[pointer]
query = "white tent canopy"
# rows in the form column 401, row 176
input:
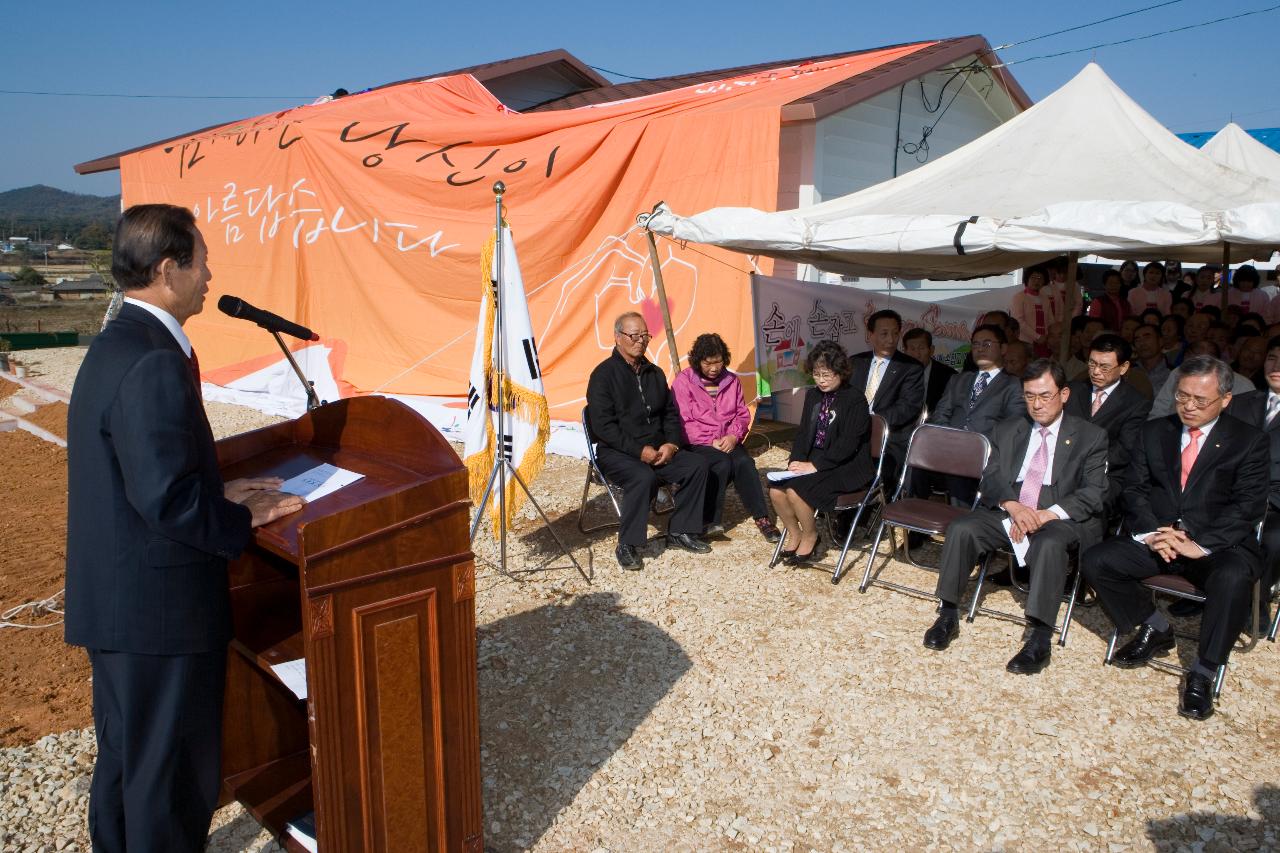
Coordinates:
column 1085, row 170
column 1234, row 147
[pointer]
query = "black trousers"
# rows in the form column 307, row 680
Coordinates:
column 736, row 466
column 1270, row 551
column 1116, row 568
column 639, row 483
column 981, row 531
column 158, row 721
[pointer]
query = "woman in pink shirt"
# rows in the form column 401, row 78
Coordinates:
column 1152, row 294
column 1244, row 292
column 716, row 419
column 1033, row 310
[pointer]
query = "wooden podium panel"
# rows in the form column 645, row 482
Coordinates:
column 373, row 587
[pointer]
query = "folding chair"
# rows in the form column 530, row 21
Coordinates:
column 1073, row 554
column 944, row 450
column 1177, row 586
column 662, row 503
column 1275, row 625
column 857, row 502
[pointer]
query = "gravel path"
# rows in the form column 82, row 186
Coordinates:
column 708, row 703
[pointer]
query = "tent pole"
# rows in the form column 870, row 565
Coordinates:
column 662, row 301
column 1068, row 306
column 1226, row 266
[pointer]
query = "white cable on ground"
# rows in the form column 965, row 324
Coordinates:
column 34, row 610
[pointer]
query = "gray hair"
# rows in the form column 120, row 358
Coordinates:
column 1206, row 365
column 622, row 318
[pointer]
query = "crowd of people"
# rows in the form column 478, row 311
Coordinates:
column 1153, row 448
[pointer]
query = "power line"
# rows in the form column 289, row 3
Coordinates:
column 617, row 73
column 1140, row 38
column 1085, row 26
column 162, row 97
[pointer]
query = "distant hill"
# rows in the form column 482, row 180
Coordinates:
column 54, row 215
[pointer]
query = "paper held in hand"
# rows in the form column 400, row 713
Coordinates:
column 319, row 481
column 779, row 476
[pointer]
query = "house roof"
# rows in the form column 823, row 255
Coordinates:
column 826, row 101
column 92, row 283
column 492, row 74
column 595, row 89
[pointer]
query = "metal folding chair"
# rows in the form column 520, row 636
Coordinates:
column 944, row 450
column 855, row 502
column 1070, row 597
column 664, row 502
column 1177, row 586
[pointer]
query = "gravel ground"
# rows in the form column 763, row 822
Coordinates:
column 709, row 703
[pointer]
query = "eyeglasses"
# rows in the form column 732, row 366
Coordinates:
column 823, row 375
column 1183, row 399
column 1041, row 398
column 638, row 337
column 1098, row 367
column 983, row 344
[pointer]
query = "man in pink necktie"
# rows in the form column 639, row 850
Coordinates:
column 1194, row 494
column 1046, row 477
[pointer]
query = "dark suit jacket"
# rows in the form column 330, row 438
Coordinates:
column 1122, row 415
column 1252, row 409
column 999, row 402
column 628, row 411
column 148, row 530
column 899, row 397
column 848, row 441
column 1226, row 494
column 939, row 375
column 1078, row 482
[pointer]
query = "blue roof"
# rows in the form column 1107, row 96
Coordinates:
column 1268, row 136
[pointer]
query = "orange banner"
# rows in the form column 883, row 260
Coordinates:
column 364, row 218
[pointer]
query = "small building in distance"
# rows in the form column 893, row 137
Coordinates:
column 92, row 287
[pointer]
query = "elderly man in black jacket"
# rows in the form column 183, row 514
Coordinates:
column 634, row 420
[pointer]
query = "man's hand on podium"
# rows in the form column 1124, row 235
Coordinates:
column 260, row 496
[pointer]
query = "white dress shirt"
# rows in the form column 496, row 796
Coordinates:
column 174, row 327
column 1108, row 391
column 1033, row 445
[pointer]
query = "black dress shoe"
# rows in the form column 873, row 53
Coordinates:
column 1145, row 645
column 798, row 559
column 1197, row 697
column 1031, row 659
column 628, row 558
column 1001, row 578
column 688, row 542
column 945, row 629
column 785, row 557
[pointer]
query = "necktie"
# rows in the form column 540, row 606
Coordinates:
column 979, row 385
column 1273, row 406
column 1030, row 494
column 873, row 382
column 194, row 362
column 1189, row 454
column 1099, row 396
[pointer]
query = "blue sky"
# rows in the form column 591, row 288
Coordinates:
column 1194, row 80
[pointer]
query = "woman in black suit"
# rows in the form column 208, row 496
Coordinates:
column 831, row 454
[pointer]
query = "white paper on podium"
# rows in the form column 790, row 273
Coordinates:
column 320, row 481
column 1020, row 549
column 294, row 675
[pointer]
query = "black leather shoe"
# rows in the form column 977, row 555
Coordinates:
column 1030, row 660
column 688, row 542
column 798, row 559
column 628, row 558
column 785, row 558
column 1145, row 645
column 945, row 629
column 1196, row 702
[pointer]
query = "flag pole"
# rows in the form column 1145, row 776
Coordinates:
column 502, row 463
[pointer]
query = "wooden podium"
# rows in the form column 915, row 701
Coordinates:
column 373, row 587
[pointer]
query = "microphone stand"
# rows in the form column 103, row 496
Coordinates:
column 313, row 400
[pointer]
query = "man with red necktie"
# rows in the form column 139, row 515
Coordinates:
column 1194, row 493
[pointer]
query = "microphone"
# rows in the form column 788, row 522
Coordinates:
column 234, row 306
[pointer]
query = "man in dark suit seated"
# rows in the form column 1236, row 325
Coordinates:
column 918, row 343
column 635, row 421
column 978, row 401
column 1103, row 399
column 1195, row 490
column 1046, row 477
column 1261, row 409
column 150, row 528
column 893, row 384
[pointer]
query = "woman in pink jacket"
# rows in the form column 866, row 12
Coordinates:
column 716, row 419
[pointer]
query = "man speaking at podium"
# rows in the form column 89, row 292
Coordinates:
column 150, row 528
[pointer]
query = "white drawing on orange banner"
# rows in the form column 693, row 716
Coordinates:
column 618, row 277
column 304, row 225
